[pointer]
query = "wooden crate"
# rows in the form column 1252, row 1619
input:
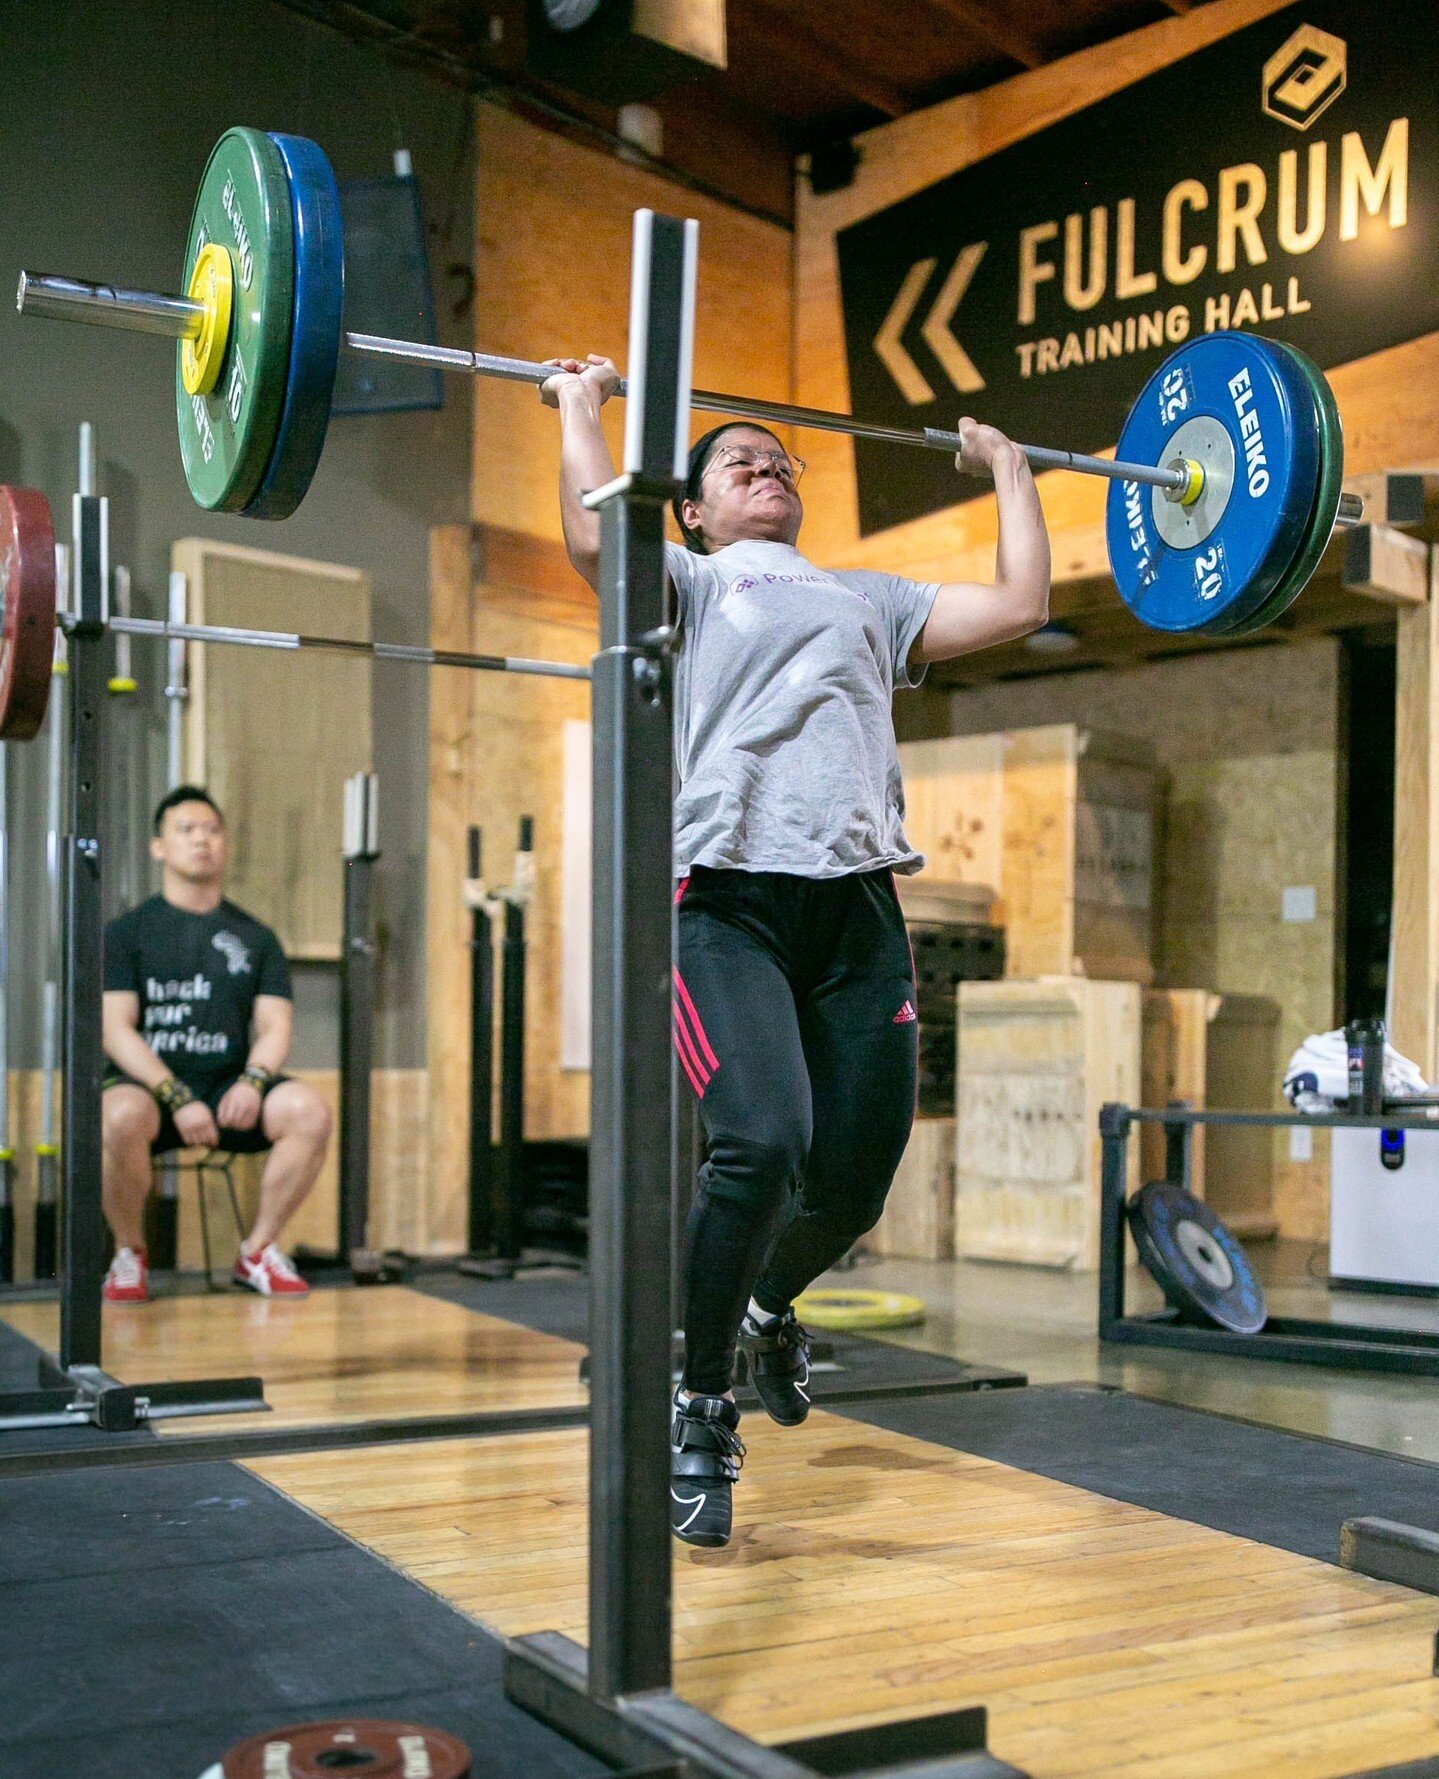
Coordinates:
column 1036, row 1062
column 1059, row 822
column 1219, row 1052
column 918, row 1220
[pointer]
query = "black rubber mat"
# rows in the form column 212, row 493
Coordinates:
column 149, row 1619
column 558, row 1303
column 1284, row 1489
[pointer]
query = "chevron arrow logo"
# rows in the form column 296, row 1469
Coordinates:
column 935, row 329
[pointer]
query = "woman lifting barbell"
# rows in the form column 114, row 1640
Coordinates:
column 794, row 995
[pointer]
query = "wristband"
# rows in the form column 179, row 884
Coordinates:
column 171, row 1094
column 260, row 1079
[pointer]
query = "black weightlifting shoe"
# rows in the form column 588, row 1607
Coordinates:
column 705, row 1456
column 776, row 1356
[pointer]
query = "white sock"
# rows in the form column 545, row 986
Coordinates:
column 759, row 1315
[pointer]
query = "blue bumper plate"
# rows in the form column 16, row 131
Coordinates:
column 315, row 331
column 1243, row 411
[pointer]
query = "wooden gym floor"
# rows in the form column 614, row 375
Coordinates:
column 875, row 1577
column 336, row 1356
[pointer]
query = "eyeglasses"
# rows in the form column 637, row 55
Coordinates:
column 785, row 465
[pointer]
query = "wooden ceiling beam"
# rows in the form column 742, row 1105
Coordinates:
column 829, row 63
column 989, row 22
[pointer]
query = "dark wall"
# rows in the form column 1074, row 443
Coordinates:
column 110, row 109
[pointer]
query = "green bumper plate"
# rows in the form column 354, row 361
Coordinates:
column 227, row 438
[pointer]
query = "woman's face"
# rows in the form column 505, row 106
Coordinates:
column 747, row 491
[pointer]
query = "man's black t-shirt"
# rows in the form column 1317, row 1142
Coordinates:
column 197, row 976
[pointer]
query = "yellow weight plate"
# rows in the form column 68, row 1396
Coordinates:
column 845, row 1310
column 212, row 283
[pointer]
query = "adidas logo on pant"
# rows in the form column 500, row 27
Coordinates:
column 906, row 1015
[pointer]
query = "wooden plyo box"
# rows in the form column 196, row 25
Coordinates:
column 1037, row 1060
column 1060, row 822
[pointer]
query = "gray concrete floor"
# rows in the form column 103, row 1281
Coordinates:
column 1043, row 1323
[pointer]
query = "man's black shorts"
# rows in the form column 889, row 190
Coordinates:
column 232, row 1142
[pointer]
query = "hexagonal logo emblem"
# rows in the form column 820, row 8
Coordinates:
column 1304, row 77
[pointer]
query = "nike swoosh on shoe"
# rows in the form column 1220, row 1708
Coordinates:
column 685, row 1501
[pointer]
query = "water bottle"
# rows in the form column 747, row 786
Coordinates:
column 1364, row 1039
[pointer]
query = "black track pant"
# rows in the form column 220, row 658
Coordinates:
column 795, row 1024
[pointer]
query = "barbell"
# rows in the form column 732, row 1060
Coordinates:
column 1223, row 493
column 29, row 607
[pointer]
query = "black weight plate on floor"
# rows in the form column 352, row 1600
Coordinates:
column 1197, row 1263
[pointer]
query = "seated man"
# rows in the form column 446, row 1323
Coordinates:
column 197, row 1029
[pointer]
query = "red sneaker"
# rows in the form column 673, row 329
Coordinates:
column 128, row 1280
column 270, row 1273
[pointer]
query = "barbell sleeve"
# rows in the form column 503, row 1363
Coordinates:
column 109, row 305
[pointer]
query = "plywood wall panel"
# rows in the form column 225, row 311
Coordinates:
column 496, row 753
column 552, row 276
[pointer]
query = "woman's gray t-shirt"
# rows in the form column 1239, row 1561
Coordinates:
column 784, row 736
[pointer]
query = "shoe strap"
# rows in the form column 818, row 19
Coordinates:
column 788, row 1343
column 704, row 1466
column 705, row 1434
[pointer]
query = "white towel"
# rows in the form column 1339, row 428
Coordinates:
column 1318, row 1074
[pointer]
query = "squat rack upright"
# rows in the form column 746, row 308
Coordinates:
column 72, row 1388
column 616, row 1698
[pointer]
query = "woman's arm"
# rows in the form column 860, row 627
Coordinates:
column 969, row 615
column 579, row 390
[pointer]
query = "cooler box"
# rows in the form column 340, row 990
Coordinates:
column 1384, row 1220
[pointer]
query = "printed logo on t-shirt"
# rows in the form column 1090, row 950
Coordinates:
column 748, row 582
column 237, row 954
column 171, row 1011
